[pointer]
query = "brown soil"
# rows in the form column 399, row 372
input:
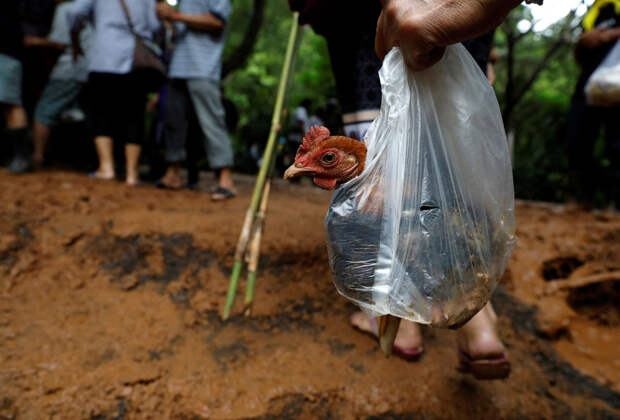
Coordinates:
column 109, row 302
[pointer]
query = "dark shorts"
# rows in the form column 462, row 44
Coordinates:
column 356, row 70
column 117, row 106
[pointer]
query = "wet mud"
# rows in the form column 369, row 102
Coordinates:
column 110, row 300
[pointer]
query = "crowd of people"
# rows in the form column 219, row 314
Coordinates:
column 97, row 42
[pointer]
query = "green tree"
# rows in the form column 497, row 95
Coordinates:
column 252, row 88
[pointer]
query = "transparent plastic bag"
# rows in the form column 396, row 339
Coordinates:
column 426, row 230
column 603, row 86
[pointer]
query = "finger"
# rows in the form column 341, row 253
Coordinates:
column 387, row 36
column 380, row 48
column 422, row 60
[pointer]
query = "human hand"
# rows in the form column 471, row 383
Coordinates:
column 76, row 47
column 165, row 11
column 597, row 37
column 423, row 29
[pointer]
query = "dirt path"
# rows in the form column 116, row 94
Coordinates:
column 109, row 300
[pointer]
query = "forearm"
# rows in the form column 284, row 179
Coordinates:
column 203, row 22
column 454, row 20
column 593, row 40
column 423, row 29
column 76, row 47
column 35, row 41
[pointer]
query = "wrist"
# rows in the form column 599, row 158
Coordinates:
column 175, row 16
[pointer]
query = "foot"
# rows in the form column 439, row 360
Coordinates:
column 408, row 344
column 37, row 162
column 481, row 352
column 103, row 175
column 169, row 185
column 132, row 181
column 19, row 165
column 225, row 186
column 222, row 193
column 171, row 180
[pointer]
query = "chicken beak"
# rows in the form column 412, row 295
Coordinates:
column 388, row 327
column 294, row 171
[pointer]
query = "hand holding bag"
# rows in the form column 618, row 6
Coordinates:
column 426, row 230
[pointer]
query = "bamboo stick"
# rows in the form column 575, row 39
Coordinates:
column 268, row 156
column 254, row 253
column 238, row 265
column 388, row 328
column 277, row 115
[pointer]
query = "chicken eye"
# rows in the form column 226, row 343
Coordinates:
column 328, row 158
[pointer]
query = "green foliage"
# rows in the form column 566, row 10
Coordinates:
column 253, row 88
column 537, row 120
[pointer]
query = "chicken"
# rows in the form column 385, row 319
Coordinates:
column 331, row 161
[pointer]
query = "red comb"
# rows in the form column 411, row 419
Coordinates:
column 314, row 136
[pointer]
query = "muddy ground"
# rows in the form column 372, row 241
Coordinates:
column 109, row 302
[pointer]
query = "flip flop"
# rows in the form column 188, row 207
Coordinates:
column 485, row 369
column 407, row 354
column 228, row 194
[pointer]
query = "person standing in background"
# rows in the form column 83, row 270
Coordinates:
column 601, row 30
column 195, row 73
column 355, row 63
column 11, row 73
column 66, row 80
column 118, row 95
column 352, row 54
column 39, row 55
column 299, row 122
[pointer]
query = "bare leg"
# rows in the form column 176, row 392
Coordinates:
column 408, row 343
column 41, row 134
column 172, row 177
column 16, row 117
column 16, row 123
column 105, row 152
column 132, row 157
column 225, row 181
column 480, row 348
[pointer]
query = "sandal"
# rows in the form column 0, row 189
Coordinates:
column 483, row 359
column 408, row 354
column 224, row 192
column 485, row 369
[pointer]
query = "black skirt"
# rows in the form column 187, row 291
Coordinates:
column 117, row 106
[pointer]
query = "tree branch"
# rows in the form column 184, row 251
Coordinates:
column 240, row 55
column 568, row 27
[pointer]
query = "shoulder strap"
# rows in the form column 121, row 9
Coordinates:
column 126, row 10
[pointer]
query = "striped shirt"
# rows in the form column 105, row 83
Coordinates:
column 113, row 43
column 198, row 55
